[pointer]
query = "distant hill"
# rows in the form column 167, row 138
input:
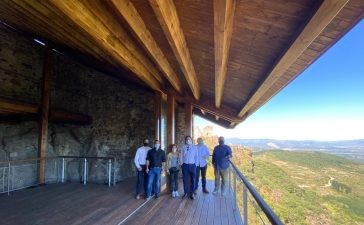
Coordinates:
column 353, row 149
column 305, row 187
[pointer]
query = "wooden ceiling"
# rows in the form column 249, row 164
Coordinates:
column 227, row 57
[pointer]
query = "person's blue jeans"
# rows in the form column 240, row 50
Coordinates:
column 189, row 170
column 201, row 170
column 142, row 178
column 154, row 174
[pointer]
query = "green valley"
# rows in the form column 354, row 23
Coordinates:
column 307, row 187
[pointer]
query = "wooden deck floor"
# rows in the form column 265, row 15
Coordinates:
column 206, row 209
column 72, row 203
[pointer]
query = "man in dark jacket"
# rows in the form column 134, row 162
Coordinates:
column 220, row 160
column 156, row 159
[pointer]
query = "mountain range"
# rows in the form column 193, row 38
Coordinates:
column 353, row 149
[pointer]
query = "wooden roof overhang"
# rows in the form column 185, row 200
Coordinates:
column 226, row 57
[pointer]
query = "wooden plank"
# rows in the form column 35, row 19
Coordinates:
column 321, row 19
column 44, row 113
column 136, row 23
column 92, row 24
column 166, row 13
column 223, row 29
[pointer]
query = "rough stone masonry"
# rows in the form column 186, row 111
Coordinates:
column 121, row 112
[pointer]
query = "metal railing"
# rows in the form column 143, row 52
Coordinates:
column 20, row 174
column 240, row 186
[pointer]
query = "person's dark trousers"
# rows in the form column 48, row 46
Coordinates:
column 201, row 170
column 189, row 170
column 142, row 178
column 174, row 178
column 154, row 175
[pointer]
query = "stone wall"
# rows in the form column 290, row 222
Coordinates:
column 122, row 113
column 180, row 126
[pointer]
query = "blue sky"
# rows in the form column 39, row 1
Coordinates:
column 326, row 102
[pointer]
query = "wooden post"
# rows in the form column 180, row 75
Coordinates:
column 157, row 115
column 170, row 119
column 188, row 119
column 170, row 130
column 44, row 113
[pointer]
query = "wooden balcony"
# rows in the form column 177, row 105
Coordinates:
column 73, row 203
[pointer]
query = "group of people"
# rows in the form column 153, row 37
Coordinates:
column 192, row 160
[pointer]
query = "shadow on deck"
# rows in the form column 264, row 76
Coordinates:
column 72, row 203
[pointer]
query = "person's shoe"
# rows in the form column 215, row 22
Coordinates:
column 137, row 197
column 176, row 194
column 173, row 194
column 192, row 197
column 223, row 193
column 205, row 191
column 184, row 195
column 147, row 198
column 215, row 192
column 156, row 196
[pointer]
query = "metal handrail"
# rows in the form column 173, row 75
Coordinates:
column 111, row 160
column 54, row 157
column 272, row 217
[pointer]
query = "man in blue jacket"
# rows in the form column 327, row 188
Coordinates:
column 220, row 160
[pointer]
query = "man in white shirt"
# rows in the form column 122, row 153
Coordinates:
column 140, row 161
column 203, row 156
column 189, row 156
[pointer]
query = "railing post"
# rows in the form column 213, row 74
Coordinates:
column 235, row 206
column 229, row 181
column 114, row 171
column 245, row 203
column 9, row 179
column 3, row 179
column 85, row 172
column 63, row 168
column 109, row 175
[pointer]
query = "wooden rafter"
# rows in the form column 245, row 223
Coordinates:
column 323, row 16
column 116, row 47
column 136, row 23
column 223, row 30
column 166, row 13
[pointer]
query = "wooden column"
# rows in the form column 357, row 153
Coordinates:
column 170, row 131
column 44, row 113
column 157, row 115
column 170, row 120
column 188, row 119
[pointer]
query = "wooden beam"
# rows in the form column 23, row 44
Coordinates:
column 96, row 28
column 136, row 23
column 323, row 16
column 224, row 112
column 166, row 13
column 188, row 119
column 44, row 112
column 170, row 120
column 61, row 116
column 223, row 30
column 11, row 110
column 12, row 107
column 157, row 114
